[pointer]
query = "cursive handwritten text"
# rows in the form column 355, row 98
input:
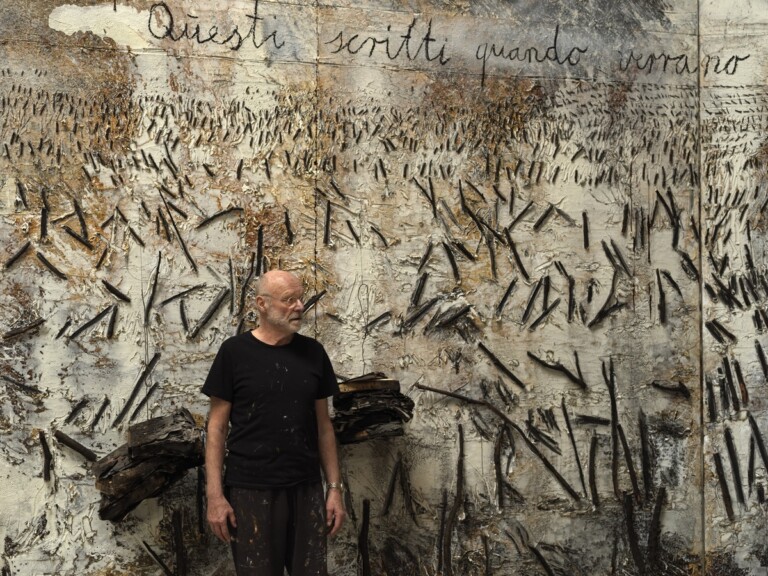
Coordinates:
column 163, row 24
column 679, row 63
column 393, row 47
column 531, row 54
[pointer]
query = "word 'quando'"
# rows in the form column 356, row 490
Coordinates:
column 553, row 53
column 164, row 24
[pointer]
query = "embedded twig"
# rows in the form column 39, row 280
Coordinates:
column 87, row 453
column 531, row 446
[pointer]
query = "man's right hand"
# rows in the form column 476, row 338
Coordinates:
column 220, row 516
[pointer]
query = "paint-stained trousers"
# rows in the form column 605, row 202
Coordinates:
column 279, row 528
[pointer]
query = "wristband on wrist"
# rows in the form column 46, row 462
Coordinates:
column 336, row 485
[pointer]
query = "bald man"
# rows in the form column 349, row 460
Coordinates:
column 270, row 433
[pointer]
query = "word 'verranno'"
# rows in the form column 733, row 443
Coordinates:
column 679, row 63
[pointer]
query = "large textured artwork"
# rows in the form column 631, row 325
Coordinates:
column 544, row 219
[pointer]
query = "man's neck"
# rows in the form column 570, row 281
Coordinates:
column 272, row 337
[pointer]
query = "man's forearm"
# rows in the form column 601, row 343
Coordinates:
column 329, row 460
column 326, row 444
column 220, row 514
column 218, row 426
column 329, row 457
column 214, row 464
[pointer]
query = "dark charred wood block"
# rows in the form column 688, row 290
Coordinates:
column 158, row 452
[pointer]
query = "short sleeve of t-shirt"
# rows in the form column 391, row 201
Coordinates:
column 219, row 380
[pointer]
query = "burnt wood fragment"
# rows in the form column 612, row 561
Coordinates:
column 158, row 452
column 370, row 406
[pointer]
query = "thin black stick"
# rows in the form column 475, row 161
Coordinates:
column 217, row 215
column 654, row 532
column 180, row 552
column 88, row 454
column 167, row 571
column 115, row 291
column 645, row 455
column 152, row 290
column 569, row 428
column 99, row 413
column 56, row 272
column 593, row 472
column 630, row 464
column 91, row 322
column 143, row 402
column 723, row 486
column 629, row 514
column 142, row 377
column 22, row 329
column 531, row 446
column 47, row 458
column 453, row 514
column 178, row 234
column 500, row 365
column 18, row 254
column 363, row 555
column 391, row 487
column 206, row 317
column 735, row 469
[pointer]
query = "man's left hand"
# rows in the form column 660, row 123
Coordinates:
column 334, row 511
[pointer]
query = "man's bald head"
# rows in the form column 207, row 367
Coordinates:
column 275, row 280
column 279, row 296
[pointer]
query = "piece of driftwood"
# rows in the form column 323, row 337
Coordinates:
column 370, row 406
column 158, row 452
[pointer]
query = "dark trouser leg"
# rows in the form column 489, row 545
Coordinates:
column 259, row 541
column 306, row 554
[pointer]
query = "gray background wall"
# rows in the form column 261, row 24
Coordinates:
column 605, row 160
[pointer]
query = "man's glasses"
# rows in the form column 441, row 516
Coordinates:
column 287, row 300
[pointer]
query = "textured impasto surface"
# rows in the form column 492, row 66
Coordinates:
column 545, row 219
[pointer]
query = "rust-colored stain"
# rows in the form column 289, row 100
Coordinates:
column 617, row 96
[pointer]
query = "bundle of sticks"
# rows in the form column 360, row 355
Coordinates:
column 370, row 406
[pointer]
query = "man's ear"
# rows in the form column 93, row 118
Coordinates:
column 260, row 302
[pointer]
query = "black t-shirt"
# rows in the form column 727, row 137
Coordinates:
column 272, row 440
